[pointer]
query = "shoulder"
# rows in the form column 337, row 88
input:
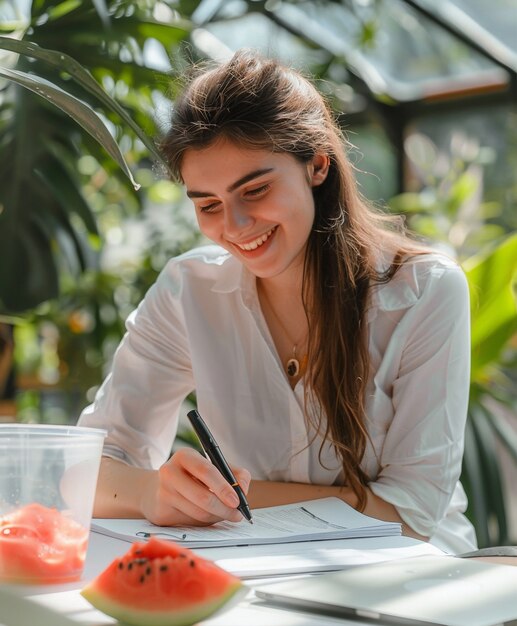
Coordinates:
column 203, row 260
column 207, row 265
column 433, row 275
column 189, row 283
column 431, row 271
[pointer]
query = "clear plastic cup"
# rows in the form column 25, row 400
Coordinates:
column 48, row 476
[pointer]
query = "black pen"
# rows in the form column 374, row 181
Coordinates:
column 214, row 453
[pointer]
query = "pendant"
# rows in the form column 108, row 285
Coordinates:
column 293, row 367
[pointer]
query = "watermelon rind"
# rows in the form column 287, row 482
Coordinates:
column 175, row 617
column 159, row 583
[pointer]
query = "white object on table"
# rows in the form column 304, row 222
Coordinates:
column 313, row 520
column 66, row 601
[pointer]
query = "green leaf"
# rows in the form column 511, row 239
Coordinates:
column 494, row 316
column 167, row 34
column 411, row 202
column 65, row 242
column 82, row 76
column 102, row 10
column 81, row 112
column 463, row 188
column 34, row 264
column 485, row 236
column 369, row 34
column 58, row 180
column 472, row 479
column 506, row 434
column 63, row 8
column 491, row 473
column 65, row 199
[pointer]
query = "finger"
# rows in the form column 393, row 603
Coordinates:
column 166, row 507
column 186, row 512
column 178, row 477
column 176, row 509
column 243, row 478
column 204, row 500
column 206, row 473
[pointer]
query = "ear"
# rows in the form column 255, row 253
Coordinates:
column 319, row 169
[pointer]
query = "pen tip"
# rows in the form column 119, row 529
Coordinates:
column 250, row 521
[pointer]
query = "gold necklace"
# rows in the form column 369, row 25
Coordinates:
column 293, row 366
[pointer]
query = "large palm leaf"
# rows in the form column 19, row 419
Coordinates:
column 492, row 277
column 45, row 220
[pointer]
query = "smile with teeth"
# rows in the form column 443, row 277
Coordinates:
column 256, row 243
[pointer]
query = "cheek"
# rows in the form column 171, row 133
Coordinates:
column 208, row 225
column 291, row 206
column 305, row 209
column 202, row 221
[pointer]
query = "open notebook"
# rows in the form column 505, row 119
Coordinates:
column 417, row 591
column 314, row 520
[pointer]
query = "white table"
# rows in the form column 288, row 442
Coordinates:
column 67, row 601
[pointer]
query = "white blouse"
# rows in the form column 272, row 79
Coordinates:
column 200, row 327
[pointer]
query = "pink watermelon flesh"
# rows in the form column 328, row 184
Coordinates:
column 158, row 583
column 40, row 545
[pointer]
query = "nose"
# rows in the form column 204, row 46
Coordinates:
column 237, row 220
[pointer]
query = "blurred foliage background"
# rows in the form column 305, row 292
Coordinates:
column 426, row 91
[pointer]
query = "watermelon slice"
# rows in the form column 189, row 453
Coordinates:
column 40, row 545
column 158, row 583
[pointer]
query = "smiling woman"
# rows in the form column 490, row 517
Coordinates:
column 260, row 205
column 329, row 352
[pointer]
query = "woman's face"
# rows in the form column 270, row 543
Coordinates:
column 256, row 204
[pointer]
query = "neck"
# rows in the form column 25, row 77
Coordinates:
column 283, row 310
column 284, row 287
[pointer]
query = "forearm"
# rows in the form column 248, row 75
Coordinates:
column 120, row 489
column 264, row 493
column 186, row 490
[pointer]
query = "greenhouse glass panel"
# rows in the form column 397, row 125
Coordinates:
column 407, row 57
column 257, row 31
column 497, row 18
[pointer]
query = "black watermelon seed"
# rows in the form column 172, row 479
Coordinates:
column 163, row 568
column 148, row 571
column 142, row 578
column 121, row 565
column 192, row 564
column 130, row 565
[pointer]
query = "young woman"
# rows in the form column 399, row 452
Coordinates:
column 328, row 351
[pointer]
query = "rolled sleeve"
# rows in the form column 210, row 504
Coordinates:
column 420, row 461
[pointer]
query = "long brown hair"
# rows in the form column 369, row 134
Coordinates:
column 259, row 103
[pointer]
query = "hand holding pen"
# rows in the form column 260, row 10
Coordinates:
column 189, row 490
column 214, row 453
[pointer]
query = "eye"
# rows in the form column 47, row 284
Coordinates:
column 257, row 191
column 209, row 208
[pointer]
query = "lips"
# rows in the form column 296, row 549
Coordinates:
column 256, row 243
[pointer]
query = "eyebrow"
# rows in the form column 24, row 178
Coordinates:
column 241, row 181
